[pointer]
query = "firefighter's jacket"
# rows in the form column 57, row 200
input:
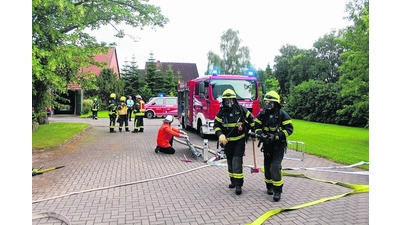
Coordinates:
column 165, row 133
column 122, row 109
column 234, row 122
column 275, row 121
column 112, row 107
column 139, row 108
column 95, row 106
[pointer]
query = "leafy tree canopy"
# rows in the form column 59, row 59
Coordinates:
column 60, row 47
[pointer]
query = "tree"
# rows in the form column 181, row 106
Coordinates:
column 132, row 78
column 108, row 83
column 282, row 67
column 315, row 100
column 214, row 62
column 151, row 76
column 171, row 81
column 235, row 58
column 60, row 47
column 354, row 77
column 328, row 57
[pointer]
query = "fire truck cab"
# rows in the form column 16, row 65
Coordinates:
column 200, row 99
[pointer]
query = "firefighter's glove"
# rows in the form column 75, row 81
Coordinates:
column 270, row 138
column 222, row 139
column 253, row 136
column 263, row 137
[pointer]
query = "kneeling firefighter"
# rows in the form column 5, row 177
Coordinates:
column 272, row 126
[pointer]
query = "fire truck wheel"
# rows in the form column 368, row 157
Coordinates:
column 200, row 130
column 149, row 114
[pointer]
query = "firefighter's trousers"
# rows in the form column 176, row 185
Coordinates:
column 138, row 124
column 273, row 156
column 234, row 151
column 113, row 117
column 123, row 120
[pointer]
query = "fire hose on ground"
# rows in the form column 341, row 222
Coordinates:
column 218, row 160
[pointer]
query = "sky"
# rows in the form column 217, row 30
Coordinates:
column 196, row 27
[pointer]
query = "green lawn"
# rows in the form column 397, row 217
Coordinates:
column 342, row 144
column 54, row 134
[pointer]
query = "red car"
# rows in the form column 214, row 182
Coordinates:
column 161, row 106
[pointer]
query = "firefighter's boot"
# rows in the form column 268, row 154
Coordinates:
column 238, row 190
column 269, row 189
column 112, row 130
column 277, row 193
column 277, row 197
column 232, row 184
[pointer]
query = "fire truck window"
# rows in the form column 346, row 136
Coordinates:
column 196, row 91
column 244, row 89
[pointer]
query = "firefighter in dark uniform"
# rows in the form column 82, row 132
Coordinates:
column 232, row 124
column 273, row 125
column 123, row 114
column 139, row 111
column 112, row 111
column 95, row 109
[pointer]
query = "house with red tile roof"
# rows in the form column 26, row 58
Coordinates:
column 187, row 71
column 75, row 92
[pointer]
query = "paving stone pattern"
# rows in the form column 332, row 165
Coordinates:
column 117, row 178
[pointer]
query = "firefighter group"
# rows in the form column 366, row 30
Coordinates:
column 233, row 125
column 122, row 111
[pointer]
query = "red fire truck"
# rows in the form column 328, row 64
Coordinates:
column 200, row 99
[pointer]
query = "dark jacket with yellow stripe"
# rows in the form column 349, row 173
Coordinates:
column 234, row 122
column 275, row 121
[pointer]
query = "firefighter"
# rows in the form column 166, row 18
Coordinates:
column 112, row 111
column 165, row 136
column 273, row 125
column 123, row 114
column 139, row 111
column 232, row 124
column 95, row 108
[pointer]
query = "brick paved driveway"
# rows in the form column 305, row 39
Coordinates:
column 118, row 179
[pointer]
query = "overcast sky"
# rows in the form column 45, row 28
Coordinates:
column 196, row 27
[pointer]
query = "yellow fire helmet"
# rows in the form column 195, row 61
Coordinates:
column 272, row 96
column 228, row 93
